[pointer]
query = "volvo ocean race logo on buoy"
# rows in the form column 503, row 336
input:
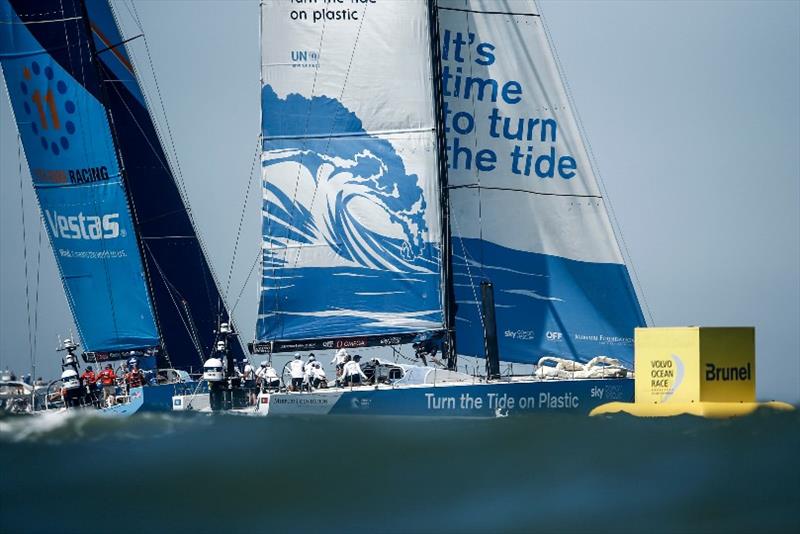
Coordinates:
column 666, row 376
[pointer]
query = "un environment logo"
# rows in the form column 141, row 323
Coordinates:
column 45, row 110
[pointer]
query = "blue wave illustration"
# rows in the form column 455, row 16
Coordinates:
column 327, row 182
column 340, row 213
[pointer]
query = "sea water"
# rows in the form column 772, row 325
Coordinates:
column 547, row 473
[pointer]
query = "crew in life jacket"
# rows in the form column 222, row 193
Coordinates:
column 297, row 370
column 107, row 379
column 134, row 378
column 352, row 375
column 89, row 379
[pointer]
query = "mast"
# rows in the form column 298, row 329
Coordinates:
column 448, row 295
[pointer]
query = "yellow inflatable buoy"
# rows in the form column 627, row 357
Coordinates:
column 714, row 410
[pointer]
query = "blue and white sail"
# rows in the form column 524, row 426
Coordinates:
column 526, row 210
column 131, row 262
column 55, row 94
column 351, row 216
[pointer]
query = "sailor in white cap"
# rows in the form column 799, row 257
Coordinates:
column 297, row 370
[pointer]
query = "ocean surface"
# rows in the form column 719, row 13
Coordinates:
column 559, row 473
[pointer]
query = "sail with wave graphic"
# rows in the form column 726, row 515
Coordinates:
column 351, row 220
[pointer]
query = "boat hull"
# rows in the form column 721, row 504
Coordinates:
column 453, row 400
column 142, row 399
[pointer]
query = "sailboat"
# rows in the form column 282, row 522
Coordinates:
column 132, row 264
column 425, row 178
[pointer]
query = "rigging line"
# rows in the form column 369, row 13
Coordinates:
column 244, row 211
column 616, row 228
column 339, row 109
column 24, row 248
column 247, row 281
column 177, row 162
column 36, row 297
column 467, row 259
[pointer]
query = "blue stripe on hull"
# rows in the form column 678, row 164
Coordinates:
column 485, row 400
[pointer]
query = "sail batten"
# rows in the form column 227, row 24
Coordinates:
column 349, row 174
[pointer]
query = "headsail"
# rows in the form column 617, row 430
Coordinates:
column 526, row 210
column 57, row 101
column 350, row 183
column 94, row 153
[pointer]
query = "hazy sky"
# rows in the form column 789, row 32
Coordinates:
column 692, row 110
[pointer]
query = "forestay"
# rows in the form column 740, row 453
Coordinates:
column 526, row 210
column 351, row 215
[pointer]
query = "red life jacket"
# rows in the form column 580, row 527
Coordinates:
column 107, row 377
column 134, row 379
column 89, row 377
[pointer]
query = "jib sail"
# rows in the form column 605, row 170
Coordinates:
column 63, row 124
column 526, row 210
column 133, row 269
column 351, row 217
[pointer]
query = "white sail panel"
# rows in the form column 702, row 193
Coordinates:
column 527, row 211
column 349, row 169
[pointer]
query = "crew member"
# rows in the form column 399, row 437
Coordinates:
column 267, row 377
column 308, row 374
column 249, row 377
column 123, row 372
column 134, row 378
column 107, row 379
column 318, row 378
column 89, row 379
column 352, row 374
column 297, row 370
column 339, row 360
